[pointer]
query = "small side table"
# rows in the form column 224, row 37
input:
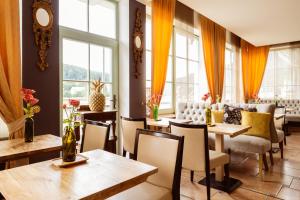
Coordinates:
column 104, row 116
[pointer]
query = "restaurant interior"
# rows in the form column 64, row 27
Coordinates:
column 150, row 99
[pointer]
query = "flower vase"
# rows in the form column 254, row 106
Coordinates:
column 155, row 113
column 29, row 129
column 69, row 145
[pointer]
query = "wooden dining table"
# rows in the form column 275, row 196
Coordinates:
column 18, row 148
column 102, row 176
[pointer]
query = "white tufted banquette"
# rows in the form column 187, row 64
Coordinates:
column 288, row 103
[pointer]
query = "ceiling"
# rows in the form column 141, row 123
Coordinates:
column 260, row 22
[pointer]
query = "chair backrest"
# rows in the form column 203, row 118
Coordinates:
column 128, row 128
column 280, row 122
column 95, row 135
column 165, row 152
column 195, row 151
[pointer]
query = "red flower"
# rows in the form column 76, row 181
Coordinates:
column 33, row 101
column 64, row 106
column 25, row 91
column 27, row 97
column 74, row 102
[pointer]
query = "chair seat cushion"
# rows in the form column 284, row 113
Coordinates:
column 280, row 135
column 243, row 143
column 292, row 117
column 217, row 159
column 145, row 191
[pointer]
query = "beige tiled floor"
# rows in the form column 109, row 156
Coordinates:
column 282, row 181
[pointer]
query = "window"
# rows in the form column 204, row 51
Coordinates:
column 187, row 66
column 282, row 74
column 88, row 49
column 89, row 62
column 184, row 72
column 229, row 90
column 89, row 16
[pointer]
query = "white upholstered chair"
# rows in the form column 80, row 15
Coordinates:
column 128, row 129
column 196, row 155
column 165, row 152
column 95, row 135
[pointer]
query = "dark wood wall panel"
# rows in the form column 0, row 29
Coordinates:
column 137, row 86
column 45, row 83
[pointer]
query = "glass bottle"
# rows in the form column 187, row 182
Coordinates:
column 208, row 116
column 69, row 145
column 29, row 129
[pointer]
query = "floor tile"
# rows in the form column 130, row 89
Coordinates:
column 295, row 184
column 245, row 194
column 289, row 194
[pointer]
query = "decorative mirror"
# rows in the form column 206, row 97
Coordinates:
column 42, row 28
column 138, row 42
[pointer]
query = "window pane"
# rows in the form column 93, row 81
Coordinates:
column 148, row 34
column 75, row 63
column 284, row 92
column 148, row 65
column 102, row 18
column 108, row 64
column 148, row 89
column 194, row 48
column 267, row 92
column 197, row 93
column 169, row 77
column 166, row 100
column 283, row 58
column 96, row 62
column 75, row 90
column 191, row 92
column 181, row 93
column 268, row 77
column 283, row 76
column 296, row 55
column 296, row 76
column 194, row 72
column 73, row 14
column 181, row 70
column 181, row 45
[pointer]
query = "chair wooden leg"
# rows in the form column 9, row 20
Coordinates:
column 281, row 149
column 124, row 153
column 207, row 174
column 192, row 176
column 260, row 165
column 271, row 157
column 226, row 170
column 131, row 156
column 265, row 162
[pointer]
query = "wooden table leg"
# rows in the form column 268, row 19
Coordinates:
column 219, row 144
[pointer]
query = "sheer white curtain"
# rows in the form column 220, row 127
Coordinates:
column 282, row 75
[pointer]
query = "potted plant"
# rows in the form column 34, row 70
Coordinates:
column 30, row 109
column 69, row 137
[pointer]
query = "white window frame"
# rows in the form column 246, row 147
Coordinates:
column 90, row 38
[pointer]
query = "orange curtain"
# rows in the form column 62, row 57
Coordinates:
column 162, row 25
column 254, row 60
column 10, row 68
column 213, row 39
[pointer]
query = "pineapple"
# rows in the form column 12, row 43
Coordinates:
column 97, row 99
